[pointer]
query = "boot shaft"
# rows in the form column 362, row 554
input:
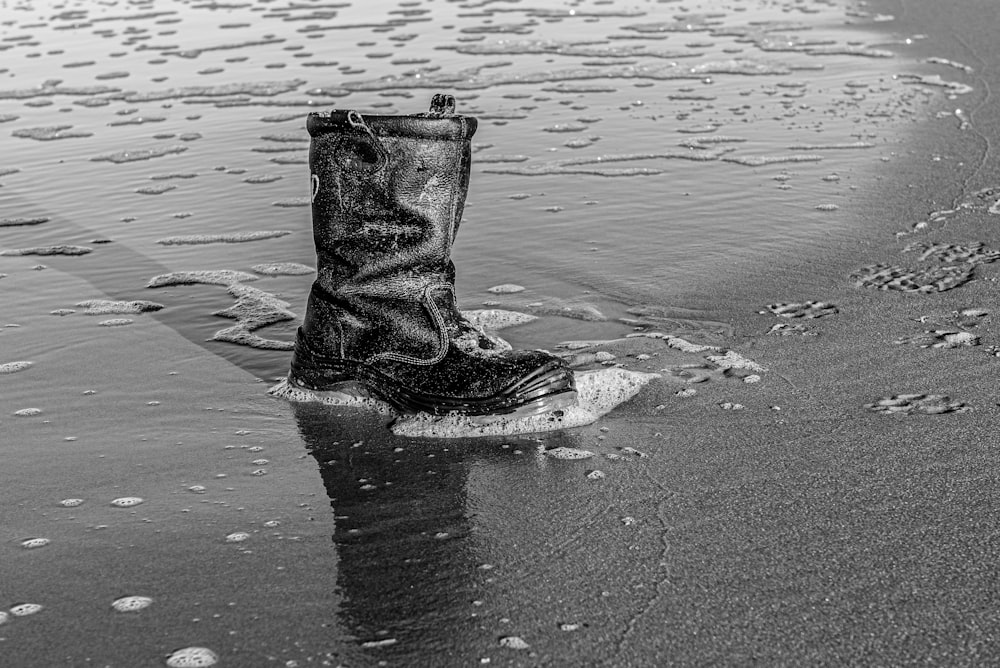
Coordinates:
column 387, row 196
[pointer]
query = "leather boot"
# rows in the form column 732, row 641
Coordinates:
column 387, row 198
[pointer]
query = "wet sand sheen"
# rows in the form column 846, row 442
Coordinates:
column 777, row 499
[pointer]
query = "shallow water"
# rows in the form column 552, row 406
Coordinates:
column 625, row 154
column 628, row 155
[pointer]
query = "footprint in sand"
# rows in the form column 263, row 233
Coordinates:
column 810, row 309
column 940, row 338
column 977, row 253
column 929, row 404
column 934, row 279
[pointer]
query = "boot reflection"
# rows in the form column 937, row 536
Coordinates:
column 406, row 570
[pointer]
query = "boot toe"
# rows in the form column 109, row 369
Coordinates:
column 473, row 385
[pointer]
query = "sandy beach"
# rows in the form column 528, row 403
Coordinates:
column 810, row 479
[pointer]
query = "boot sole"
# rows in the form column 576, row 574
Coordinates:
column 547, row 389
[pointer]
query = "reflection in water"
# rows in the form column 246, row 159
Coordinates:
column 406, row 571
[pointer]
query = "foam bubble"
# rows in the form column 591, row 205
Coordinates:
column 253, row 309
column 137, row 155
column 192, row 657
column 50, row 133
column 138, row 120
column 25, row 609
column 17, row 222
column 209, row 277
column 71, row 503
column 291, row 202
column 349, row 394
column 552, row 47
column 568, row 453
column 832, row 147
column 283, row 269
column 265, row 178
column 950, row 63
column 494, row 318
column 514, row 642
column 597, row 393
column 116, row 322
column 953, row 87
column 385, row 642
column 733, row 360
column 126, row 501
column 173, row 175
column 567, row 308
column 131, row 603
column 156, row 190
column 108, row 306
column 234, row 238
column 263, row 88
column 14, row 367
column 27, row 412
column 237, row 537
column 64, row 249
column 506, row 288
column 764, row 160
column 32, row 543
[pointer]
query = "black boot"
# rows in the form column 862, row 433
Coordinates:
column 387, row 199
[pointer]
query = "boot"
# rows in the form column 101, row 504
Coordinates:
column 387, row 198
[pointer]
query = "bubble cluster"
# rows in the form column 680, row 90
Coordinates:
column 597, row 393
column 514, row 642
column 25, row 609
column 506, row 288
column 253, row 310
column 207, row 277
column 131, row 603
column 563, row 452
column 126, row 501
column 233, row 238
column 283, row 269
column 139, row 154
column 32, row 543
column 64, row 249
column 22, row 222
column 494, row 319
column 14, row 367
column 50, row 133
column 192, row 657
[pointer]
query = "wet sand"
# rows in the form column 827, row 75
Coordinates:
column 775, row 515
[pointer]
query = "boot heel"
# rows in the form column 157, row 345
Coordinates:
column 320, row 378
